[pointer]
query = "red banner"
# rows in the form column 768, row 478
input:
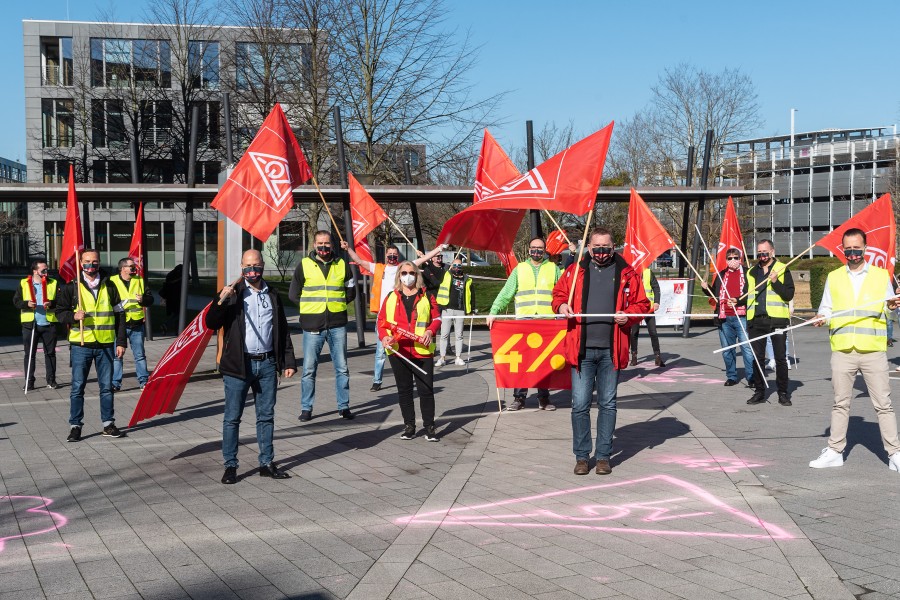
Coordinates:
column 136, row 251
column 172, row 372
column 645, row 237
column 731, row 236
column 530, row 354
column 508, row 260
column 556, row 242
column 260, row 190
column 877, row 220
column 72, row 235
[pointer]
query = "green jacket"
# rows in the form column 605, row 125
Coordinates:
column 508, row 293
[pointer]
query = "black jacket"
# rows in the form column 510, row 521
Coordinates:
column 230, row 315
column 22, row 304
column 327, row 319
column 433, row 277
column 67, row 301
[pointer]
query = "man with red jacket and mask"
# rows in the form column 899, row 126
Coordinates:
column 597, row 347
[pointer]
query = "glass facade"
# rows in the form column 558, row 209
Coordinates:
column 143, row 63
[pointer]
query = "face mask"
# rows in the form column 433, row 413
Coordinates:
column 408, row 280
column 762, row 256
column 733, row 263
column 536, row 254
column 392, row 260
column 602, row 254
column 854, row 256
column 252, row 274
column 43, row 273
column 133, row 271
column 90, row 268
column 323, row 251
column 456, row 269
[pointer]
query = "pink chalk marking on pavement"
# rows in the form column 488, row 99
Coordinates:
column 655, row 512
column 671, row 375
column 12, row 374
column 57, row 519
column 726, row 465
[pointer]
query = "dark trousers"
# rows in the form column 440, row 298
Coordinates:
column 651, row 329
column 46, row 336
column 761, row 326
column 405, row 375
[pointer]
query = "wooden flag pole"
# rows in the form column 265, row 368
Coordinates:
column 400, row 231
column 746, row 256
column 331, row 216
column 555, row 224
column 233, row 283
column 587, row 228
column 78, row 291
column 688, row 263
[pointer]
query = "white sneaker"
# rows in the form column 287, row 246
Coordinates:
column 789, row 365
column 459, row 362
column 771, row 365
column 830, row 458
column 440, row 362
column 894, row 462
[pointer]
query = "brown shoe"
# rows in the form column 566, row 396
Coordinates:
column 633, row 362
column 659, row 361
column 582, row 467
column 603, row 467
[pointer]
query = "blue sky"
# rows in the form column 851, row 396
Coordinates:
column 593, row 61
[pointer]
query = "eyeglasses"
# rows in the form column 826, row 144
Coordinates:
column 732, row 258
column 407, row 272
column 393, row 256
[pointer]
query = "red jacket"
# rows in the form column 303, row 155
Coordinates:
column 630, row 298
column 406, row 345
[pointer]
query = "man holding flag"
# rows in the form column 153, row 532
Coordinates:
column 135, row 298
column 729, row 290
column 36, row 298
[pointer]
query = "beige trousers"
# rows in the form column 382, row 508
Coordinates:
column 874, row 369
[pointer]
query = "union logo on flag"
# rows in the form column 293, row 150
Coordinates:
column 531, row 183
column 275, row 172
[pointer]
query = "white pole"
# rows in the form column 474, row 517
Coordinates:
column 469, row 351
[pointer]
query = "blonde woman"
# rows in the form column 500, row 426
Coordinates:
column 407, row 325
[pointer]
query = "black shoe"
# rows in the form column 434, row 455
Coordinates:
column 431, row 434
column 376, row 387
column 750, row 385
column 52, row 385
column 230, row 475
column 730, row 382
column 74, row 435
column 784, row 400
column 408, row 433
column 112, row 431
column 305, row 415
column 28, row 387
column 117, row 388
column 890, row 342
column 346, row 414
column 758, row 397
column 272, row 470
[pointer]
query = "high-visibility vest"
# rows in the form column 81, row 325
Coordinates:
column 443, row 295
column 864, row 329
column 375, row 293
column 648, row 289
column 775, row 306
column 535, row 297
column 320, row 293
column 133, row 311
column 26, row 315
column 421, row 315
column 99, row 319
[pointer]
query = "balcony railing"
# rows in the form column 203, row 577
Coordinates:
column 57, row 75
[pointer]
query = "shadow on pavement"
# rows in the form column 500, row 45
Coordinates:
column 863, row 433
column 633, row 438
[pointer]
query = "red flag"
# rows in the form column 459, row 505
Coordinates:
column 508, row 260
column 172, row 372
column 645, row 237
column 530, row 353
column 136, row 251
column 365, row 212
column 731, row 236
column 556, row 242
column 364, row 252
column 877, row 220
column 259, row 192
column 480, row 230
column 72, row 235
column 566, row 182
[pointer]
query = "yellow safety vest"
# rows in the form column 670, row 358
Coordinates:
column 864, row 329
column 443, row 295
column 775, row 306
column 99, row 321
column 648, row 289
column 26, row 315
column 133, row 312
column 422, row 316
column 320, row 293
column 535, row 297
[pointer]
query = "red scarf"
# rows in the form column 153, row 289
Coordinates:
column 723, row 292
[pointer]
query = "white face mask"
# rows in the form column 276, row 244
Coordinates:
column 408, row 280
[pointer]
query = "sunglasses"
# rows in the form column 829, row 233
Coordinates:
column 407, row 272
column 90, row 264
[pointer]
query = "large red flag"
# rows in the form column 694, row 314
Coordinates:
column 567, row 182
column 530, row 352
column 172, row 372
column 494, row 168
column 556, row 242
column 877, row 220
column 645, row 237
column 731, row 236
column 508, row 260
column 72, row 235
column 136, row 251
column 365, row 212
column 259, row 192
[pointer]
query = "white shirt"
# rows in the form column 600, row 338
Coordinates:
column 258, row 315
column 387, row 280
column 856, row 280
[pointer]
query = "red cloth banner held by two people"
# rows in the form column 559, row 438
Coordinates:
column 260, row 190
column 731, row 236
column 877, row 220
column 530, row 353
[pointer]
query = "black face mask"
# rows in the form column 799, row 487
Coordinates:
column 90, row 268
column 252, row 274
column 762, row 257
column 602, row 255
column 393, row 260
column 854, row 256
column 132, row 271
column 536, row 254
column 43, row 273
column 323, row 251
column 456, row 270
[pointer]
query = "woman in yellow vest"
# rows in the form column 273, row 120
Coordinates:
column 858, row 343
column 407, row 325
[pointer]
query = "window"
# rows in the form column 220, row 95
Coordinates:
column 156, row 122
column 292, row 236
column 111, row 171
column 209, row 127
column 203, row 65
column 270, row 65
column 56, row 61
column 55, row 171
column 142, row 63
column 57, row 123
column 112, row 240
column 53, row 237
column 108, row 124
column 206, row 240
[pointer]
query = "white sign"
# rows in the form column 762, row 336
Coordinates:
column 673, row 303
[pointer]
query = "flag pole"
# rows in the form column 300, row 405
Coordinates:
column 399, row 354
column 746, row 256
column 233, row 283
column 400, row 231
column 547, row 212
column 32, row 351
column 78, row 290
column 688, row 263
column 330, row 216
column 587, row 228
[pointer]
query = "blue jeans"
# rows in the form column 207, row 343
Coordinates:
column 730, row 332
column 313, row 342
column 81, row 359
column 263, row 376
column 595, row 370
column 379, row 363
column 136, row 341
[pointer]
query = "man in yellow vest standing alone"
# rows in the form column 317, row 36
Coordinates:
column 767, row 311
column 323, row 285
column 135, row 298
column 651, row 288
column 38, row 321
column 858, row 343
column 97, row 334
column 454, row 298
column 531, row 286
